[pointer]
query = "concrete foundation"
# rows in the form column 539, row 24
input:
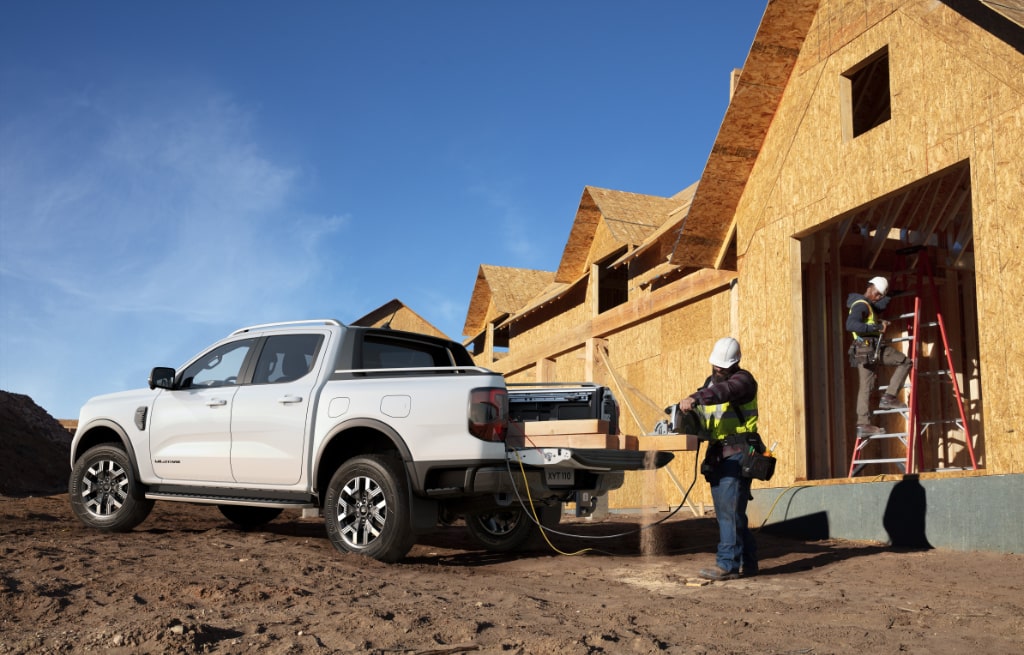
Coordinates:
column 965, row 513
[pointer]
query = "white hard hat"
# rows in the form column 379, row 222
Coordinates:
column 880, row 283
column 725, row 353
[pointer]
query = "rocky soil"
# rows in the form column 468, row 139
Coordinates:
column 187, row 581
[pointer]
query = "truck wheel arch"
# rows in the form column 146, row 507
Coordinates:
column 102, row 431
column 358, row 436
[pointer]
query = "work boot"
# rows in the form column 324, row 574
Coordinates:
column 866, row 430
column 749, row 571
column 718, row 573
column 890, row 401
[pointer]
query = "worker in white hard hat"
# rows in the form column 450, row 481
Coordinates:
column 867, row 352
column 727, row 406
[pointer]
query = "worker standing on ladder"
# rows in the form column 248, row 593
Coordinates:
column 727, row 405
column 868, row 351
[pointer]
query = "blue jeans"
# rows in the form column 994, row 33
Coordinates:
column 736, row 545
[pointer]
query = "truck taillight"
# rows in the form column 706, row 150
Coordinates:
column 488, row 413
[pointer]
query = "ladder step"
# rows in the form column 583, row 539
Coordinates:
column 884, row 435
column 899, row 460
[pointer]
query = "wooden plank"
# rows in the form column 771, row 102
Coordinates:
column 673, row 442
column 578, row 426
column 608, row 441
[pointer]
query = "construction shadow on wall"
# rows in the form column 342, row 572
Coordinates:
column 905, row 512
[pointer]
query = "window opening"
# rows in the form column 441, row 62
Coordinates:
column 867, row 100
column 612, row 284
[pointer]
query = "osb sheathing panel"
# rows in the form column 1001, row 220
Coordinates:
column 569, row 367
column 739, row 140
column 997, row 182
column 399, row 317
column 605, row 243
column 546, row 332
column 957, row 95
column 666, row 359
column 581, row 236
column 499, row 291
column 765, row 302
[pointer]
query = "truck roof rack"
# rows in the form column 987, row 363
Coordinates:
column 311, row 321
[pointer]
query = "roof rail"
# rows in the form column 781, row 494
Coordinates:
column 311, row 321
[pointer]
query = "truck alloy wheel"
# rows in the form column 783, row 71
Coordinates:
column 103, row 491
column 508, row 529
column 366, row 509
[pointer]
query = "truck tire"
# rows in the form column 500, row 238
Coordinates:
column 103, row 491
column 508, row 529
column 247, row 517
column 366, row 509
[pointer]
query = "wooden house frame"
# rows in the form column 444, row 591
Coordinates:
column 861, row 139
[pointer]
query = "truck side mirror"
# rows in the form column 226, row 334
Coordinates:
column 161, row 377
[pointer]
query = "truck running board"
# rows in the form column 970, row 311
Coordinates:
column 251, row 497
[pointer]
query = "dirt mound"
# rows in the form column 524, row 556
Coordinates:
column 34, row 448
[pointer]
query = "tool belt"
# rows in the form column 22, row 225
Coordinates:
column 754, row 463
column 863, row 352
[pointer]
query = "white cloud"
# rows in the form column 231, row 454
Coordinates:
column 174, row 209
column 117, row 215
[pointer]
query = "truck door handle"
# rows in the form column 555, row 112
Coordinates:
column 288, row 400
column 216, row 402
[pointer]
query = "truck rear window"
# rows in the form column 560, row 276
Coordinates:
column 382, row 352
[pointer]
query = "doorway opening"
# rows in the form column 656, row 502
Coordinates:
column 920, row 238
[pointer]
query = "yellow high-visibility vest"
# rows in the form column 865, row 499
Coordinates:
column 723, row 420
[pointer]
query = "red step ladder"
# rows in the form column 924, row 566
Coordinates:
column 916, row 426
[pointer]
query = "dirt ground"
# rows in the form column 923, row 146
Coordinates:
column 187, row 581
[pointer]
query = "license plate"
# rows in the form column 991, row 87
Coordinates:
column 560, row 477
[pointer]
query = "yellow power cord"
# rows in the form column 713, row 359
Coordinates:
column 533, row 511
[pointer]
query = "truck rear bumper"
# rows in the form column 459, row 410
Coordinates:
column 541, row 473
column 514, row 481
column 591, row 459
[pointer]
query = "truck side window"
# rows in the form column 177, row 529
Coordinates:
column 219, row 367
column 287, row 357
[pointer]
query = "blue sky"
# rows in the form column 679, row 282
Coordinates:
column 172, row 171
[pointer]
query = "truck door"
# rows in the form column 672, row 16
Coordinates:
column 190, row 430
column 269, row 435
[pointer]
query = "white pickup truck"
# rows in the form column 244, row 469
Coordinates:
column 387, row 434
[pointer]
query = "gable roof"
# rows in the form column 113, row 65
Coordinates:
column 700, row 237
column 629, row 217
column 634, row 220
column 397, row 315
column 504, row 289
column 682, row 201
column 1011, row 9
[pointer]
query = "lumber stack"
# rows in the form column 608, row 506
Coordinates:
column 577, row 433
column 591, row 433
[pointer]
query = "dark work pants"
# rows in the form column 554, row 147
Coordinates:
column 736, row 545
